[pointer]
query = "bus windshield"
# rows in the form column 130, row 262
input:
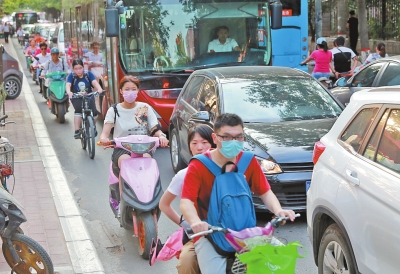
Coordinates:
column 174, row 35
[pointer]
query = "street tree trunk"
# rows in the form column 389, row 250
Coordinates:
column 363, row 27
column 342, row 17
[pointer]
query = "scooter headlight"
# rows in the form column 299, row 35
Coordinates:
column 139, row 148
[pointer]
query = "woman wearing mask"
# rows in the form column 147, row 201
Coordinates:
column 199, row 141
column 130, row 118
column 323, row 60
column 81, row 81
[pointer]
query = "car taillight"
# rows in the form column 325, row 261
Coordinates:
column 163, row 93
column 319, row 147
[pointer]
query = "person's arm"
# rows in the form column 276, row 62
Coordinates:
column 166, row 208
column 97, row 86
column 68, row 90
column 105, row 133
column 190, row 190
column 306, row 61
column 272, row 203
column 355, row 61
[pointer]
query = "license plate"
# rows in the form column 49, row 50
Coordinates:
column 308, row 184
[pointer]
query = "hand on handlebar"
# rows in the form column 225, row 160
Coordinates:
column 70, row 94
column 163, row 141
column 286, row 213
column 199, row 227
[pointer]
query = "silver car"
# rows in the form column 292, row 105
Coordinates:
column 353, row 203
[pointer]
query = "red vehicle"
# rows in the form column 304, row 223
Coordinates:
column 163, row 42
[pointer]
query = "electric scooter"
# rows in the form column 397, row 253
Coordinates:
column 141, row 189
column 58, row 100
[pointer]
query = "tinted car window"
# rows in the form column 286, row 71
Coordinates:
column 192, row 90
column 208, row 99
column 367, row 76
column 355, row 132
column 278, row 99
column 371, row 149
column 391, row 76
column 388, row 150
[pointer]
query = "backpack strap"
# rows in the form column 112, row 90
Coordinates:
column 245, row 161
column 115, row 112
column 210, row 165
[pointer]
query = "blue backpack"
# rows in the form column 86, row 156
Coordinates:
column 231, row 203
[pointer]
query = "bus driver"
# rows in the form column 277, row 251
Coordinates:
column 223, row 43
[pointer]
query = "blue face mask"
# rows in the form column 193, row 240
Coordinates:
column 231, row 149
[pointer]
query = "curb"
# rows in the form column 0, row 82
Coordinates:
column 80, row 246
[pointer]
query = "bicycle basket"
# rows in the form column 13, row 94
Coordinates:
column 6, row 159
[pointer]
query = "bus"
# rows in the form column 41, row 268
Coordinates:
column 163, row 41
column 23, row 17
column 290, row 43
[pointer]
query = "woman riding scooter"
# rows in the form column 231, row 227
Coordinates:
column 130, row 118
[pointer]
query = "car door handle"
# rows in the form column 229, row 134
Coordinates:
column 352, row 177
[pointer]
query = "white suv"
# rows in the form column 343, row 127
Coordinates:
column 353, row 203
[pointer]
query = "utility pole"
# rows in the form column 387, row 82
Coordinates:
column 342, row 17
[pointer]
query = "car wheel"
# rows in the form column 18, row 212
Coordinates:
column 13, row 87
column 334, row 255
column 176, row 159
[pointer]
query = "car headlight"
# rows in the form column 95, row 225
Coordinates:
column 269, row 167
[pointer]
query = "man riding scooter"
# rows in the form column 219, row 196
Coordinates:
column 39, row 60
column 54, row 64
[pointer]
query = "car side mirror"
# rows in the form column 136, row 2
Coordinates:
column 342, row 82
column 54, row 40
column 200, row 117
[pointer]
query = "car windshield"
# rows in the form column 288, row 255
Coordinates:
column 278, row 99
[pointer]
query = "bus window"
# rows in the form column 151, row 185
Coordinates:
column 291, row 7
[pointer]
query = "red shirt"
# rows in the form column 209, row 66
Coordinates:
column 199, row 181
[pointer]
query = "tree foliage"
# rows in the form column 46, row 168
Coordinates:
column 10, row 6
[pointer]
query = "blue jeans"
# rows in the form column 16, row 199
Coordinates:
column 318, row 75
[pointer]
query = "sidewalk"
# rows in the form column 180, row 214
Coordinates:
column 54, row 219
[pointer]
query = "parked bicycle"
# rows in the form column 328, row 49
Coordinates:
column 22, row 253
column 88, row 129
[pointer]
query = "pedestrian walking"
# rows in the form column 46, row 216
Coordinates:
column 6, row 31
column 352, row 25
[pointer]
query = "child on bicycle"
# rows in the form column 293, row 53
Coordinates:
column 84, row 82
column 198, row 183
column 199, row 141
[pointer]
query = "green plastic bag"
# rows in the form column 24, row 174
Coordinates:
column 269, row 259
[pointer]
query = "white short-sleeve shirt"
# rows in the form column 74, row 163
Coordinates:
column 175, row 187
column 135, row 121
column 216, row 46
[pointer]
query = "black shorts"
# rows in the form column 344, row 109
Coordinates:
column 77, row 103
column 118, row 152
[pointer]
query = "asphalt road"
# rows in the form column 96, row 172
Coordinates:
column 88, row 179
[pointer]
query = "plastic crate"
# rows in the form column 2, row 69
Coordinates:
column 6, row 159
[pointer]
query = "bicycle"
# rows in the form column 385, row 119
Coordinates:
column 88, row 129
column 245, row 240
column 6, row 156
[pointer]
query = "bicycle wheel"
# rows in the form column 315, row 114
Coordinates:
column 90, row 135
column 36, row 259
column 83, row 135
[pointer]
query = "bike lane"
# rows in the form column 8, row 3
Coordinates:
column 54, row 219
